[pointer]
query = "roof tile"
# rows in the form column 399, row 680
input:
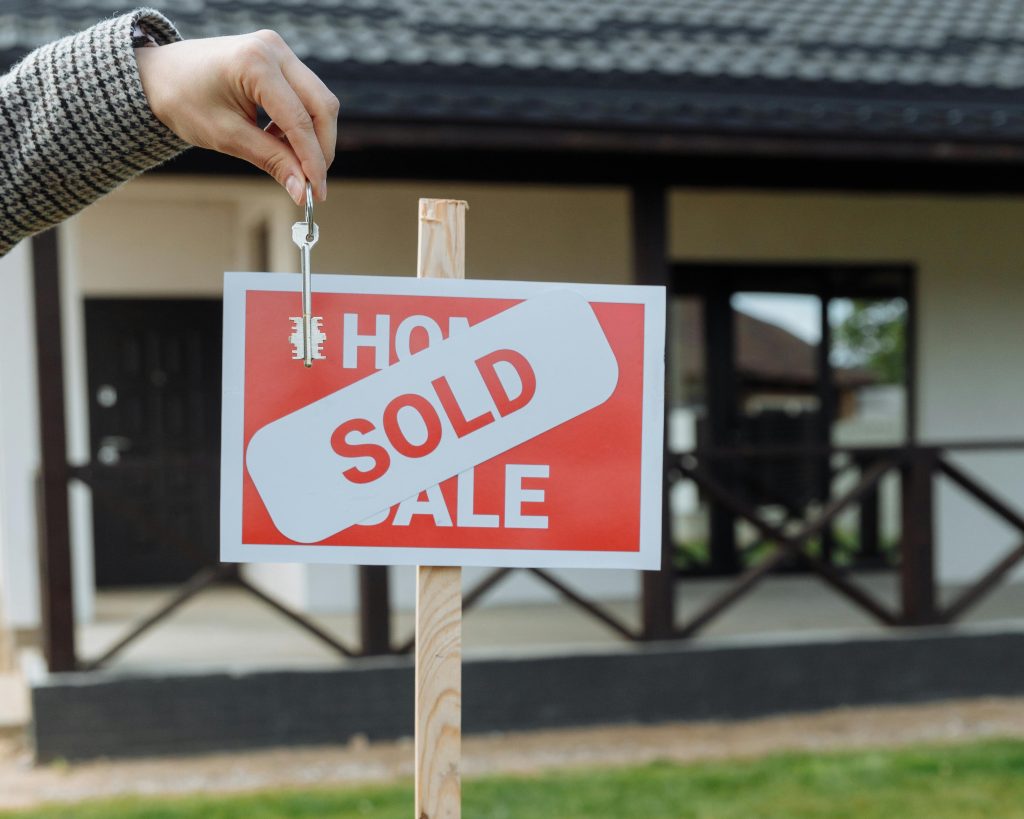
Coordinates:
column 938, row 69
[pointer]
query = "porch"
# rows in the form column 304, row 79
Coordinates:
column 808, row 629
column 225, row 675
column 877, row 582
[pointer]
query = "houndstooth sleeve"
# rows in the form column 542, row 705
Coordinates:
column 75, row 124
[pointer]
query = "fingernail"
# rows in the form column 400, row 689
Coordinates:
column 323, row 191
column 294, row 188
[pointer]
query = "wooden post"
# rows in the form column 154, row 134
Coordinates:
column 55, row 528
column 917, row 558
column 722, row 402
column 869, row 553
column 374, row 610
column 650, row 266
column 827, row 412
column 442, row 255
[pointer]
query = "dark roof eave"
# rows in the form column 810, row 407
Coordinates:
column 361, row 134
column 510, row 152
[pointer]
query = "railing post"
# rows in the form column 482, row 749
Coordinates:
column 869, row 552
column 649, row 215
column 721, row 423
column 917, row 552
column 826, row 417
column 374, row 610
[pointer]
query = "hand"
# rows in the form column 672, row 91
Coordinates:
column 208, row 92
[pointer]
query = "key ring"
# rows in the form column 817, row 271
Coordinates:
column 309, row 211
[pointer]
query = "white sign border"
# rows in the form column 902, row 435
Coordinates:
column 232, row 550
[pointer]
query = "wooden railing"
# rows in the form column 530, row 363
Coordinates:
column 918, row 467
column 778, row 543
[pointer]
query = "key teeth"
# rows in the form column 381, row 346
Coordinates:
column 295, row 339
column 317, row 337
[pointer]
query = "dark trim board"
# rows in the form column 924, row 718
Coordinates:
column 855, row 280
column 78, row 715
column 448, row 154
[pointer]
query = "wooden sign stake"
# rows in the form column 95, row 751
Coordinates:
column 442, row 255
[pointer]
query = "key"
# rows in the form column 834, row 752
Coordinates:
column 305, row 235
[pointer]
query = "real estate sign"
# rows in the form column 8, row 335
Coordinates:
column 444, row 422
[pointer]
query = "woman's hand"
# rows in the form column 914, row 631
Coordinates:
column 208, row 91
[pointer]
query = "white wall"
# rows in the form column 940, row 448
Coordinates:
column 19, row 442
column 969, row 252
column 76, row 408
column 19, row 437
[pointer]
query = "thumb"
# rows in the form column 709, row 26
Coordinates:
column 272, row 154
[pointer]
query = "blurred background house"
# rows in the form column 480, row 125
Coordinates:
column 830, row 191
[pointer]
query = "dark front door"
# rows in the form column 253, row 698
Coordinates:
column 154, row 412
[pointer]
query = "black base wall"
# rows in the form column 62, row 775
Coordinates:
column 79, row 716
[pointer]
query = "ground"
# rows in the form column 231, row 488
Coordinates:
column 22, row 785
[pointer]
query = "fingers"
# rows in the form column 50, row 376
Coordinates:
column 319, row 102
column 298, row 102
column 268, row 152
column 285, row 108
column 302, row 109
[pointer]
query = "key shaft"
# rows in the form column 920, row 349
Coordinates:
column 305, row 236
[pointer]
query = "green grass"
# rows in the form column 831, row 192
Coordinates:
column 983, row 780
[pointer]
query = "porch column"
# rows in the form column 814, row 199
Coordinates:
column 58, row 620
column 650, row 266
column 827, row 412
column 721, row 401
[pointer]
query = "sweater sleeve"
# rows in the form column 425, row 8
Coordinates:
column 75, row 124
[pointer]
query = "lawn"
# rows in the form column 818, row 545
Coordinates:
column 969, row 781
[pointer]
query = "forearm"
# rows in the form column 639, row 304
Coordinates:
column 75, row 124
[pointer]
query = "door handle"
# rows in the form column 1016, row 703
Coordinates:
column 111, row 447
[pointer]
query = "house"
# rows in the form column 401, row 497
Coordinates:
column 827, row 148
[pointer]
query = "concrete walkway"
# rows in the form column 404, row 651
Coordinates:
column 14, row 704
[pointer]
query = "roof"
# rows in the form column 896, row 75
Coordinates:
column 904, row 69
column 767, row 355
